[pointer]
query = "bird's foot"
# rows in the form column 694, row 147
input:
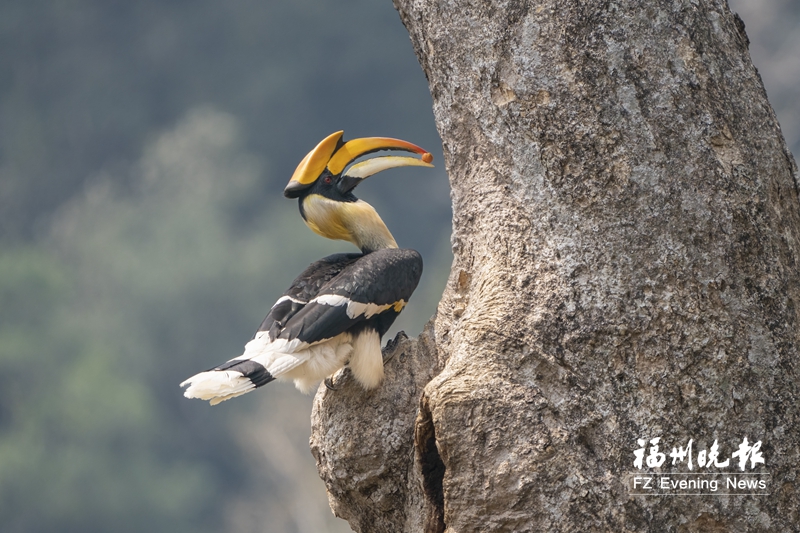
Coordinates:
column 387, row 355
column 330, row 381
column 389, row 351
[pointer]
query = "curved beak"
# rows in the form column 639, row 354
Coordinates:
column 332, row 155
column 356, row 148
column 356, row 173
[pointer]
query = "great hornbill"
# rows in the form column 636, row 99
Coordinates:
column 337, row 310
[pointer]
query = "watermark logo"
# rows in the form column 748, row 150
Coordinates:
column 689, row 472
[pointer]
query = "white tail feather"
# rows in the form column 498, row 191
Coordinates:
column 217, row 386
column 285, row 361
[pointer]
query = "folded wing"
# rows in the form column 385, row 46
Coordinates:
column 334, row 312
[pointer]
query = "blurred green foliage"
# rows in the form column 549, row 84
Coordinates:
column 126, row 297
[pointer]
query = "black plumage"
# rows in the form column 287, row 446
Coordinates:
column 379, row 278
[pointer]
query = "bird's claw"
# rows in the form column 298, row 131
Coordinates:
column 329, row 383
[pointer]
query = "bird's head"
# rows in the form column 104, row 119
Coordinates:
column 324, row 181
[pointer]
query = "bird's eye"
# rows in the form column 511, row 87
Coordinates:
column 328, row 180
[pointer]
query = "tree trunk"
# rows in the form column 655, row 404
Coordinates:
column 625, row 233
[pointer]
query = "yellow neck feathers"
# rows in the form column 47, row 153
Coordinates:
column 356, row 222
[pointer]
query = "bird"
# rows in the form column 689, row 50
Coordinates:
column 335, row 313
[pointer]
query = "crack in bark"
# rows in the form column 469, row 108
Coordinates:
column 432, row 468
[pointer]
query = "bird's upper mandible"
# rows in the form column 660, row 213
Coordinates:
column 332, row 155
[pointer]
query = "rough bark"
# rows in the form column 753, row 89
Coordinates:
column 625, row 233
column 364, row 441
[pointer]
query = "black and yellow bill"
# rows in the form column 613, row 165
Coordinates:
column 333, row 154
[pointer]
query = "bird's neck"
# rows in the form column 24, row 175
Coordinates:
column 356, row 222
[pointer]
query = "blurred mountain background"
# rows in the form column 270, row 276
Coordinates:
column 144, row 147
